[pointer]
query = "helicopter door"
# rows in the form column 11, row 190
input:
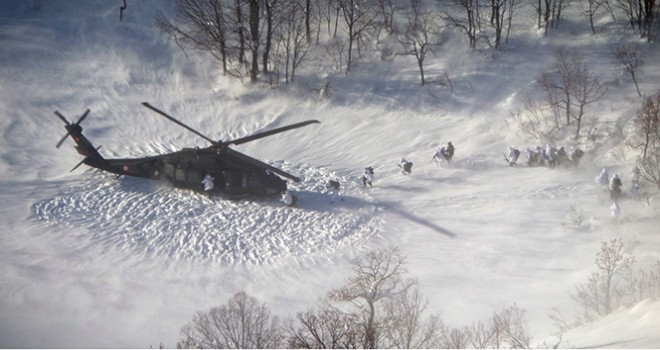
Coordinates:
column 193, row 177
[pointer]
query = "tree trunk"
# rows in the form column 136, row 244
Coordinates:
column 241, row 35
column 269, row 34
column 254, row 36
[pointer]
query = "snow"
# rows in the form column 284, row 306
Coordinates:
column 639, row 322
column 88, row 260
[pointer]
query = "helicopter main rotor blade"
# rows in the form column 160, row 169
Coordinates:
column 271, row 132
column 62, row 117
column 146, row 104
column 260, row 164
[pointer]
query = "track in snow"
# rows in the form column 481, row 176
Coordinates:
column 146, row 217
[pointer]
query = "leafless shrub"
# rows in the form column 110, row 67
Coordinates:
column 642, row 284
column 445, row 80
column 561, row 327
column 652, row 283
column 576, row 216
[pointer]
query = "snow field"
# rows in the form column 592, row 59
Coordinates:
column 87, row 260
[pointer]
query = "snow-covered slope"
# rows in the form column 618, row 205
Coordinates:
column 87, row 260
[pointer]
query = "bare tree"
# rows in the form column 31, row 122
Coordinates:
column 254, row 38
column 628, row 7
column 501, row 19
column 241, row 323
column 466, row 18
column 569, row 84
column 237, row 26
column 650, row 13
column 511, row 7
column 336, row 48
column 587, row 89
column 642, row 15
column 497, row 18
column 558, row 82
column 406, row 327
column 549, row 13
column 387, row 11
column 421, row 33
column 324, row 329
column 456, row 338
column 359, row 16
column 506, row 329
column 379, row 277
column 203, row 25
column 647, row 127
column 589, row 8
column 557, row 7
column 599, row 292
column 307, row 10
column 630, row 58
column 650, row 168
column 271, row 9
column 510, row 329
column 330, row 13
column 532, row 120
column 481, row 335
column 293, row 38
column 377, row 308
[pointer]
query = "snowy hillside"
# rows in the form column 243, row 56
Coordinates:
column 89, row 260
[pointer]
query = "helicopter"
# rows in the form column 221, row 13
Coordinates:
column 232, row 174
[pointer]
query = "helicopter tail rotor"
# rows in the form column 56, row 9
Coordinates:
column 69, row 126
column 83, row 145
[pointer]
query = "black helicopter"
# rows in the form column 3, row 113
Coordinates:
column 232, row 174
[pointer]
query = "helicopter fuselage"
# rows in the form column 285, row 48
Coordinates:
column 214, row 170
column 188, row 167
